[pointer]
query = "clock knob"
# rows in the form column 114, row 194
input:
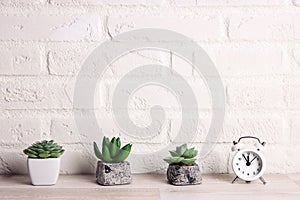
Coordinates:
column 237, row 146
column 260, row 146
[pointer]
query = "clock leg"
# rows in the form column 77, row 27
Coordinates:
column 263, row 180
column 234, row 180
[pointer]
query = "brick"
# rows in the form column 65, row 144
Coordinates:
column 106, row 2
column 22, row 2
column 20, row 60
column 131, row 60
column 216, row 161
column 293, row 96
column 256, row 96
column 296, row 55
column 16, row 131
column 295, row 60
column 207, row 27
column 297, row 27
column 181, row 66
column 30, row 94
column 241, row 2
column 155, row 140
column 249, row 61
column 64, row 130
column 292, row 160
column 288, row 162
column 261, row 27
column 147, row 162
column 68, row 60
column 267, row 128
column 65, row 59
column 192, row 131
column 118, row 69
column 143, row 99
column 295, row 128
column 54, row 28
column 184, row 2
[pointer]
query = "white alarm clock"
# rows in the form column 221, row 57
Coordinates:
column 249, row 164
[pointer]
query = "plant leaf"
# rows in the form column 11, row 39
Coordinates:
column 97, row 151
column 181, row 149
column 55, row 155
column 123, row 153
column 173, row 160
column 113, row 147
column 188, row 161
column 44, row 155
column 118, row 142
column 174, row 154
column 190, row 153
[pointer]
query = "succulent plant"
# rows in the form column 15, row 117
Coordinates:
column 44, row 149
column 182, row 156
column 112, row 151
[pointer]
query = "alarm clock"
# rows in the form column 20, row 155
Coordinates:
column 249, row 164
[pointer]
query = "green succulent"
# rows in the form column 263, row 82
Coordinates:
column 182, row 156
column 112, row 151
column 44, row 149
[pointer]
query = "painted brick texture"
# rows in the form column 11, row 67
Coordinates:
column 254, row 45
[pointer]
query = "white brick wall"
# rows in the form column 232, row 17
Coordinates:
column 20, row 60
column 205, row 27
column 30, row 93
column 255, row 45
column 19, row 130
column 54, row 28
column 243, row 2
column 264, row 27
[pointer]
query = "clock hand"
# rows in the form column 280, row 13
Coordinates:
column 253, row 159
column 247, row 160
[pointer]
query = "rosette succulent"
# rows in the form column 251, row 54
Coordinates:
column 44, row 149
column 182, row 156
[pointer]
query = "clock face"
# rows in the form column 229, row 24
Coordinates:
column 248, row 164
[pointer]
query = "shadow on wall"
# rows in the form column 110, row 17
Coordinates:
column 13, row 163
column 76, row 162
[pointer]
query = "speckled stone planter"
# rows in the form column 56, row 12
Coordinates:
column 113, row 173
column 184, row 175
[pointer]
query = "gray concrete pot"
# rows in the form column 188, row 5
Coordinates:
column 184, row 175
column 113, row 173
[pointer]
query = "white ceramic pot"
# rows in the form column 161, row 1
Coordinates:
column 44, row 171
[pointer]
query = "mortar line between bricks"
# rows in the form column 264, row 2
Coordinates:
column 204, row 42
column 149, row 6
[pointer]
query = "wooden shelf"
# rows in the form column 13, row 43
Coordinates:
column 153, row 186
